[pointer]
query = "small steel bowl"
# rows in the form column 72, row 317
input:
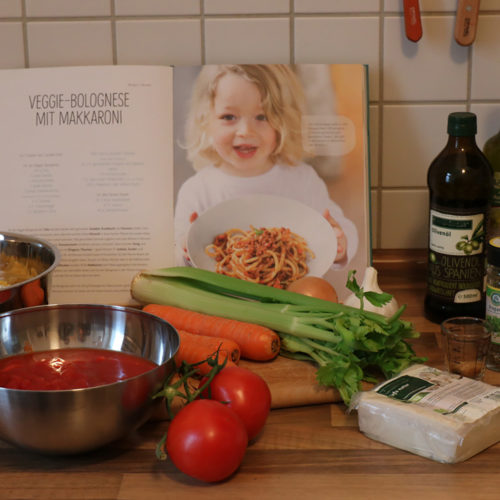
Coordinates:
column 39, row 254
column 79, row 420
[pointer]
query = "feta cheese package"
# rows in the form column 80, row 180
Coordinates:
column 432, row 413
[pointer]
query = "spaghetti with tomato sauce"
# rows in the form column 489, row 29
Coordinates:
column 270, row 256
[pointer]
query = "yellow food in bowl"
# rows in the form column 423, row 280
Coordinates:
column 15, row 269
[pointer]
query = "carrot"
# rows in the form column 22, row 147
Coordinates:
column 32, row 293
column 256, row 342
column 195, row 348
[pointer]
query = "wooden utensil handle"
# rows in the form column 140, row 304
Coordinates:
column 466, row 21
column 413, row 23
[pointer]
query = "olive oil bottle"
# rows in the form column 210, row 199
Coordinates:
column 460, row 181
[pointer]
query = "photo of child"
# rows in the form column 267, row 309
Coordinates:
column 244, row 135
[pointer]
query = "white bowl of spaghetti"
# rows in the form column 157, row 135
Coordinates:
column 266, row 239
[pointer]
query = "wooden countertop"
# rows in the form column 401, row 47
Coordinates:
column 306, row 452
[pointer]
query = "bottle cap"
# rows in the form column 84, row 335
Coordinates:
column 462, row 124
column 493, row 251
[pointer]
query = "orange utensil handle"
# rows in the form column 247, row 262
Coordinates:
column 466, row 21
column 413, row 23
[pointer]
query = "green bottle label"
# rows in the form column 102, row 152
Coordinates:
column 493, row 312
column 456, row 259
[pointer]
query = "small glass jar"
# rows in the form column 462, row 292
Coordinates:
column 493, row 302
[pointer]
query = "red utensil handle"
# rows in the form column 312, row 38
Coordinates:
column 413, row 23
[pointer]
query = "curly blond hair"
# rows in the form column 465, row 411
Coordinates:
column 283, row 102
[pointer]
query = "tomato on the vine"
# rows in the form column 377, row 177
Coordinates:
column 206, row 440
column 245, row 392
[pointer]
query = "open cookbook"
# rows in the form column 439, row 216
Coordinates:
column 126, row 168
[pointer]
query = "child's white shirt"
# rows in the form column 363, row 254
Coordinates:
column 211, row 186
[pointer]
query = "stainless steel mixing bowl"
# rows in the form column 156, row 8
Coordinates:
column 38, row 253
column 79, row 420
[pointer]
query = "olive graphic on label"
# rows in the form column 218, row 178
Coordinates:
column 468, row 248
column 468, row 244
column 432, row 257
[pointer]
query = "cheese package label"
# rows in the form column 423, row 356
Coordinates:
column 432, row 413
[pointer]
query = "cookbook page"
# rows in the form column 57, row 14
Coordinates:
column 87, row 165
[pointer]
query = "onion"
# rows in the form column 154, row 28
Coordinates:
column 314, row 287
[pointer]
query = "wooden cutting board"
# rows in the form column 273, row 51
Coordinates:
column 293, row 383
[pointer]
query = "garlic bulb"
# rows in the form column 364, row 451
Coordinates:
column 370, row 284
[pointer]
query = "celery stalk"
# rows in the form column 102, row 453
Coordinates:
column 234, row 286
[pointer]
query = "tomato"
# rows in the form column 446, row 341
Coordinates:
column 206, row 440
column 244, row 392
